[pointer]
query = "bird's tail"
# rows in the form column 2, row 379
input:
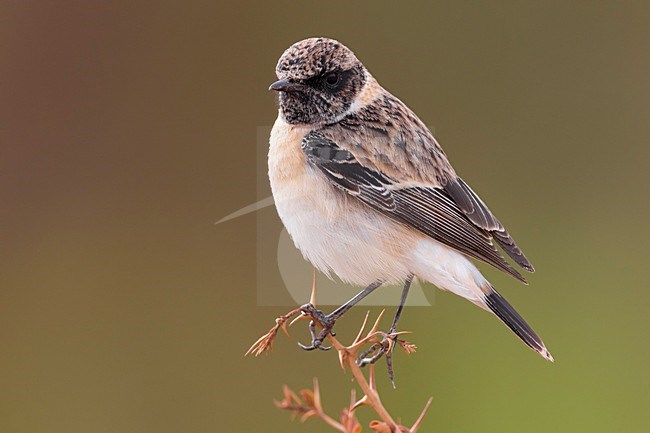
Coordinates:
column 504, row 311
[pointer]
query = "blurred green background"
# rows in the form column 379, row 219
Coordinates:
column 128, row 128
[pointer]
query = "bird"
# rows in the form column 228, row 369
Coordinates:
column 367, row 193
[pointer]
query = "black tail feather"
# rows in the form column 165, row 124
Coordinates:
column 504, row 311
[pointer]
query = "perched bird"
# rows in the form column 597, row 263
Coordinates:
column 367, row 193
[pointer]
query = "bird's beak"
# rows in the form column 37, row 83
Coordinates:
column 286, row 86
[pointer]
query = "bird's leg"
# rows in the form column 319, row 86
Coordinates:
column 327, row 321
column 385, row 346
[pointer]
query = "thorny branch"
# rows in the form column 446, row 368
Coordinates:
column 308, row 404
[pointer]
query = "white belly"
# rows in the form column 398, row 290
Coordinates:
column 334, row 232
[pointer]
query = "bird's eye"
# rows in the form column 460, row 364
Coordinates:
column 332, row 79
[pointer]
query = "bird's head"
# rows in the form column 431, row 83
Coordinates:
column 318, row 81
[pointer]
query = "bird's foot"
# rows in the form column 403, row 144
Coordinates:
column 377, row 350
column 327, row 323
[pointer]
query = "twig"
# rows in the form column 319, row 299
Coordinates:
column 265, row 343
column 310, row 403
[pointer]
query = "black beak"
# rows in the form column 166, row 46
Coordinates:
column 286, row 86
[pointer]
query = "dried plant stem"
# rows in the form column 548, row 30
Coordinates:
column 332, row 422
column 328, row 419
column 310, row 404
column 371, row 396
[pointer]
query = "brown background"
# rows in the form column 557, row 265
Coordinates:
column 128, row 128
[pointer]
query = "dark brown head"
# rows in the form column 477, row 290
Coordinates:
column 318, row 80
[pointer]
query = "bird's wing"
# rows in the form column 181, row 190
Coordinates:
column 447, row 211
column 479, row 214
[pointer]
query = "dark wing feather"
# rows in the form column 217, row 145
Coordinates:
column 344, row 171
column 432, row 211
column 479, row 214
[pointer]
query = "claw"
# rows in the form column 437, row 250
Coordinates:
column 316, row 343
column 314, row 346
column 312, row 330
column 377, row 350
column 389, row 367
column 326, row 322
column 307, row 348
column 389, row 355
column 365, row 359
